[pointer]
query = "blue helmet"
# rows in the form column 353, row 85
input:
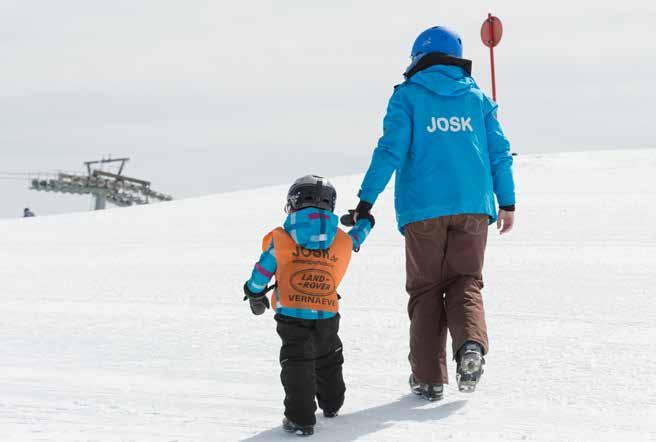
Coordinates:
column 437, row 39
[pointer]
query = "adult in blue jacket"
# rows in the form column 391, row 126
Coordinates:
column 444, row 142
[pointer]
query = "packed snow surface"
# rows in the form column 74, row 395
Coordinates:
column 129, row 324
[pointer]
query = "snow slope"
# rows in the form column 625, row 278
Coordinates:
column 129, row 324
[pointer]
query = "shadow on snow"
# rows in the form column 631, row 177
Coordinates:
column 371, row 420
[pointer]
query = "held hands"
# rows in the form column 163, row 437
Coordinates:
column 360, row 212
column 259, row 301
column 349, row 219
column 505, row 221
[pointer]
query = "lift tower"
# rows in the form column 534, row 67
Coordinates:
column 103, row 186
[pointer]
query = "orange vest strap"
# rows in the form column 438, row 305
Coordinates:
column 266, row 241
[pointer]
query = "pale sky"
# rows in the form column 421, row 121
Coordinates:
column 209, row 96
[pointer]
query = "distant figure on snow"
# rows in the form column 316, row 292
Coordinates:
column 27, row 213
column 442, row 139
column 309, row 256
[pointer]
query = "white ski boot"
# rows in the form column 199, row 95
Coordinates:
column 470, row 366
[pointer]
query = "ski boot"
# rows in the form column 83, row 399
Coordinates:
column 470, row 366
column 431, row 392
column 331, row 414
column 291, row 427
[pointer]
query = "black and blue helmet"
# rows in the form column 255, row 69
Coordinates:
column 311, row 191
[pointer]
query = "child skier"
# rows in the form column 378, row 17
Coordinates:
column 442, row 139
column 308, row 256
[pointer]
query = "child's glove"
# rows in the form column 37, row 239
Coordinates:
column 259, row 301
column 360, row 212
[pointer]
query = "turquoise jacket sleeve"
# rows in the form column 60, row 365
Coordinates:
column 359, row 233
column 391, row 150
column 500, row 158
column 263, row 271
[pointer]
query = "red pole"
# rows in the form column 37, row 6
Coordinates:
column 494, row 83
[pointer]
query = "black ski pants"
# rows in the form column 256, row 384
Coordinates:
column 311, row 359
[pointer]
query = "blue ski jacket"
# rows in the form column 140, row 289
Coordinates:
column 310, row 232
column 442, row 138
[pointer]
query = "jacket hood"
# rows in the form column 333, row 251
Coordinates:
column 444, row 80
column 312, row 228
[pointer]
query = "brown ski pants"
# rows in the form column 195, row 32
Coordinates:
column 444, row 264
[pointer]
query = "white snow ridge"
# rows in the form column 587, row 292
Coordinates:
column 129, row 324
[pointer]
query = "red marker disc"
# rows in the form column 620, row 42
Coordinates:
column 491, row 31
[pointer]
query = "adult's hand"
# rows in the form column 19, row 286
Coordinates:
column 505, row 221
column 362, row 211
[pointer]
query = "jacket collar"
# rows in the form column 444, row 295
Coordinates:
column 312, row 228
column 435, row 58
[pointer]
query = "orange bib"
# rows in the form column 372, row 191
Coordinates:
column 308, row 279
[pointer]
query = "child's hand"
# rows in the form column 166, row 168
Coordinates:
column 348, row 219
column 259, row 302
column 363, row 211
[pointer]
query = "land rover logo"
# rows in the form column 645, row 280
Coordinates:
column 313, row 282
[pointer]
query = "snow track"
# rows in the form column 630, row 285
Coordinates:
column 129, row 324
